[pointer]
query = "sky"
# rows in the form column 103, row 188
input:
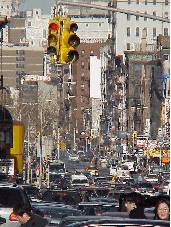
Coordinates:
column 31, row 4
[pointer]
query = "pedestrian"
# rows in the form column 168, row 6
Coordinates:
column 27, row 218
column 162, row 210
column 134, row 206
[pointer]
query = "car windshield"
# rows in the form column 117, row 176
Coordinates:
column 10, row 196
column 31, row 190
column 79, row 181
column 97, row 193
column 145, row 185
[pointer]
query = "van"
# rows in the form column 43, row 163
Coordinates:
column 79, row 181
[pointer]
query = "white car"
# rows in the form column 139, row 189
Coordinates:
column 74, row 157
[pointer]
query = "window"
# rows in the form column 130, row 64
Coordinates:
column 154, row 2
column 166, row 2
column 145, row 31
column 29, row 24
column 166, row 15
column 82, row 64
column 137, row 17
column 154, row 32
column 82, row 98
column 82, row 87
column 165, row 31
column 20, row 59
column 100, row 24
column 145, row 18
column 128, row 46
column 128, row 31
column 37, row 12
column 136, row 71
column 137, row 32
column 138, row 2
column 1, row 7
column 128, row 17
column 137, row 91
column 86, row 25
column 129, row 2
column 7, row 6
column 82, row 74
column 145, row 2
column 22, row 32
column 91, row 51
column 154, row 14
column 82, row 53
column 20, row 66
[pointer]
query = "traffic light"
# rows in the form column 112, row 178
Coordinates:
column 54, row 32
column 1, row 82
column 47, row 158
column 134, row 135
column 69, row 40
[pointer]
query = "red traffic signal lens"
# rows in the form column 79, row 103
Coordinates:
column 74, row 40
column 51, row 50
column 53, row 26
column 72, row 56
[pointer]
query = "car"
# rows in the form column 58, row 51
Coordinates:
column 11, row 194
column 32, row 191
column 94, row 171
column 56, row 212
column 73, row 157
column 164, row 187
column 144, row 188
column 110, row 221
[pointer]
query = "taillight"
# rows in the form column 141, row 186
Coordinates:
column 46, row 216
column 132, row 189
column 98, row 214
column 13, row 217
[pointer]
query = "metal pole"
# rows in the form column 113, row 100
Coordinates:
column 40, row 176
column 28, row 157
column 74, row 138
column 58, row 145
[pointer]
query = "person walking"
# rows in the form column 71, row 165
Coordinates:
column 27, row 218
column 162, row 210
column 134, row 206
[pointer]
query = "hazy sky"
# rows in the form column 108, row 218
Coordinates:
column 30, row 4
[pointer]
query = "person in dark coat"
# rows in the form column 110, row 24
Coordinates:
column 27, row 218
column 134, row 206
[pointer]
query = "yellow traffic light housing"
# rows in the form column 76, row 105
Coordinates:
column 54, row 32
column 69, row 40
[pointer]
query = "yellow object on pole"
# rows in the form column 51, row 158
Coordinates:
column 16, row 151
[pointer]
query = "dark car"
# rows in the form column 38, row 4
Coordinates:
column 108, row 221
column 55, row 213
column 32, row 191
column 69, row 197
column 144, row 187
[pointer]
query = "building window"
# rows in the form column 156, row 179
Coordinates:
column 128, row 46
column 37, row 12
column 166, row 15
column 128, row 17
column 7, row 6
column 82, row 98
column 100, row 24
column 166, row 2
column 154, row 32
column 18, row 66
column 145, row 2
column 137, row 17
column 1, row 7
column 137, row 32
column 154, row 14
column 86, row 25
column 129, row 2
column 145, row 29
column 20, row 59
column 82, row 87
column 82, row 64
column 22, row 32
column 29, row 24
column 145, row 18
column 136, row 71
column 82, row 53
column 82, row 74
column 138, row 2
column 165, row 31
column 91, row 52
column 154, row 2
column 128, row 31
